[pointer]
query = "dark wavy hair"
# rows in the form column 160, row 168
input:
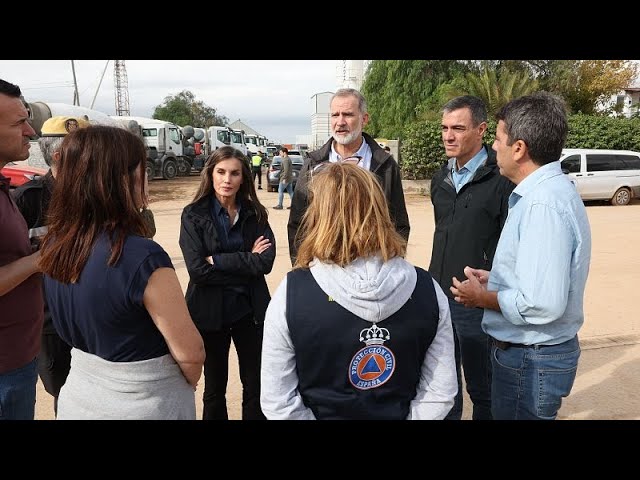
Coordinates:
column 99, row 189
column 246, row 193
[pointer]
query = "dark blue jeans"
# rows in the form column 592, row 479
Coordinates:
column 529, row 383
column 18, row 392
column 473, row 352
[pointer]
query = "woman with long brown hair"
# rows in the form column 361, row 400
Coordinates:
column 113, row 294
column 228, row 248
column 355, row 331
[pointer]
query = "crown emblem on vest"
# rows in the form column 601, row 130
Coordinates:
column 374, row 335
column 374, row 363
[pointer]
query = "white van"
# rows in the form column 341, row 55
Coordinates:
column 612, row 175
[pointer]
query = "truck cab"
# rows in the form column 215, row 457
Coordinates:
column 165, row 147
column 238, row 141
column 217, row 137
column 252, row 143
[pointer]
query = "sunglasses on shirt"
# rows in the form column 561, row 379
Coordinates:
column 352, row 160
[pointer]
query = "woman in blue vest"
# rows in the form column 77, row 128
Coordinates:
column 228, row 248
column 355, row 331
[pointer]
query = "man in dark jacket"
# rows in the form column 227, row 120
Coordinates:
column 470, row 202
column 349, row 143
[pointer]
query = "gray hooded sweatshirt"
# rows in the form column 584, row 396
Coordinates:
column 373, row 290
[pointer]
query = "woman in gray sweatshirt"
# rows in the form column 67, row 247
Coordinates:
column 355, row 331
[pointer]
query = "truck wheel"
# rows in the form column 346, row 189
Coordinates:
column 621, row 197
column 150, row 170
column 169, row 169
column 184, row 167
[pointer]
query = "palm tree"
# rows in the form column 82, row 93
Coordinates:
column 496, row 88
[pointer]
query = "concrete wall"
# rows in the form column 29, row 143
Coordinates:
column 420, row 187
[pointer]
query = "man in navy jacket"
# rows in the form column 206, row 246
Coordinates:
column 470, row 202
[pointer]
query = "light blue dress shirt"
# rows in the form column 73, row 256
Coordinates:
column 466, row 173
column 364, row 151
column 541, row 263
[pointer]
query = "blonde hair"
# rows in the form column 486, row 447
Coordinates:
column 347, row 218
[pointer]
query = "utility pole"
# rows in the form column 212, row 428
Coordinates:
column 76, row 95
column 98, row 89
column 122, row 88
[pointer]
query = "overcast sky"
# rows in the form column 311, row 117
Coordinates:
column 271, row 96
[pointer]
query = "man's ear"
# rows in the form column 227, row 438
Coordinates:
column 519, row 149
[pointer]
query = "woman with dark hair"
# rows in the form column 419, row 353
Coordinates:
column 228, row 248
column 113, row 294
column 355, row 332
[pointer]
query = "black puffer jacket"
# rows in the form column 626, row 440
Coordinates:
column 32, row 199
column 198, row 240
column 383, row 166
column 468, row 223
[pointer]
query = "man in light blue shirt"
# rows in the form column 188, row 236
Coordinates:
column 533, row 296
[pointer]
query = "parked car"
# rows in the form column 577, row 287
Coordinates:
column 21, row 173
column 599, row 174
column 272, row 151
column 273, row 174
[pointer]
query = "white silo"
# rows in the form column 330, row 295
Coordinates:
column 320, row 119
column 350, row 73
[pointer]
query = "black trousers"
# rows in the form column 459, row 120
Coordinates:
column 54, row 363
column 257, row 172
column 247, row 339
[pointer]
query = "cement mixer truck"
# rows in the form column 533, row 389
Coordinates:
column 205, row 141
column 39, row 112
column 169, row 152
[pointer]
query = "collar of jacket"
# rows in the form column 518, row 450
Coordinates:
column 489, row 166
column 378, row 155
column 201, row 209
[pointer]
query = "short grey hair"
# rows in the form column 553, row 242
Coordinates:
column 540, row 121
column 351, row 92
column 48, row 146
column 474, row 104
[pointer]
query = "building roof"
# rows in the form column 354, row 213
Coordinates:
column 239, row 125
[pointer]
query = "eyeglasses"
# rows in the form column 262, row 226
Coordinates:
column 353, row 159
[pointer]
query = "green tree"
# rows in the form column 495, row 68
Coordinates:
column 595, row 82
column 497, row 87
column 183, row 109
column 400, row 92
column 431, row 108
column 396, row 89
column 586, row 85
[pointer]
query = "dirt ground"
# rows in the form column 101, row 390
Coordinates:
column 608, row 383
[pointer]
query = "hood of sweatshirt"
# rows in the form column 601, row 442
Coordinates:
column 368, row 287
